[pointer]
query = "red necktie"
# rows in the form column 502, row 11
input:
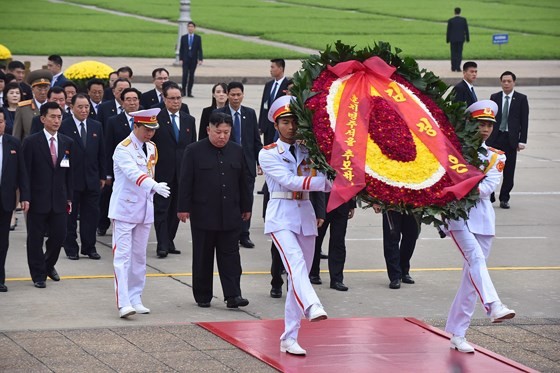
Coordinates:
column 53, row 152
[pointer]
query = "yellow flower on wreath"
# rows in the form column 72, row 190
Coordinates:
column 4, row 52
column 86, row 70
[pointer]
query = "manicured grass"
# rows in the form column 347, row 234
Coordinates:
column 417, row 27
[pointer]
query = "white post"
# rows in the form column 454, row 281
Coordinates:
column 184, row 19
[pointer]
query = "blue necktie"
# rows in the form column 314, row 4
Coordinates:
column 272, row 94
column 131, row 124
column 175, row 129
column 237, row 128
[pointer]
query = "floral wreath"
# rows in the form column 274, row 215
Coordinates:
column 382, row 126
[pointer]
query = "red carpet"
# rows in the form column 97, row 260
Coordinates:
column 360, row 345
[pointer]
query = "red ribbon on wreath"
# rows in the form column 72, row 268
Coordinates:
column 372, row 78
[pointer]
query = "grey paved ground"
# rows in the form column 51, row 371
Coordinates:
column 73, row 325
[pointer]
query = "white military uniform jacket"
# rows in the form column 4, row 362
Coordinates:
column 482, row 217
column 132, row 198
column 285, row 174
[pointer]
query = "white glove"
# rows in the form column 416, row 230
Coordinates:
column 162, row 189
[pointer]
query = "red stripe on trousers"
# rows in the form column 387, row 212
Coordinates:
column 289, row 271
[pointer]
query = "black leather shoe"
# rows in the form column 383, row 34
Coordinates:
column 247, row 243
column 190, row 95
column 53, row 275
column 492, row 198
column 101, row 232
column 315, row 280
column 407, row 279
column 40, row 284
column 504, row 204
column 174, row 251
column 276, row 293
column 73, row 257
column 238, row 301
column 324, row 256
column 339, row 286
column 94, row 256
column 161, row 253
column 3, row 288
column 395, row 284
column 203, row 304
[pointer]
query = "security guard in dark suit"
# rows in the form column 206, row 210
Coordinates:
column 13, row 176
column 177, row 130
column 47, row 157
column 457, row 34
column 215, row 196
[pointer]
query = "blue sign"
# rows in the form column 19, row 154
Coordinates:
column 500, row 38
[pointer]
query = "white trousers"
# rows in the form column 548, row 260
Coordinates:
column 130, row 242
column 475, row 281
column 296, row 251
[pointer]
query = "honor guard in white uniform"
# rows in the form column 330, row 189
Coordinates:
column 132, row 210
column 474, row 237
column 290, row 219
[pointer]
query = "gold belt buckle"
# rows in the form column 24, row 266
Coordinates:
column 296, row 195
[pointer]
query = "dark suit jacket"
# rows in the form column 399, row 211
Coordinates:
column 170, row 153
column 457, row 30
column 117, row 129
column 88, row 162
column 9, row 120
column 195, row 54
column 266, row 126
column 108, row 94
column 250, row 138
column 215, row 194
column 37, row 125
column 27, row 93
column 518, row 119
column 60, row 81
column 14, row 174
column 92, row 113
column 463, row 93
column 184, row 107
column 105, row 111
column 50, row 187
column 149, row 99
column 204, row 122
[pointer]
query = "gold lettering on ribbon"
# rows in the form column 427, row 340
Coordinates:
column 347, row 168
column 456, row 166
column 395, row 92
column 425, row 126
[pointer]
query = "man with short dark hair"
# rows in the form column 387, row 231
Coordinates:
column 464, row 90
column 108, row 109
column 108, row 92
column 457, row 34
column 273, row 89
column 89, row 177
column 155, row 96
column 70, row 88
column 190, row 53
column 54, row 65
column 17, row 68
column 214, row 195
column 95, row 89
column 177, row 130
column 245, row 132
column 511, row 129
column 48, row 156
column 55, row 94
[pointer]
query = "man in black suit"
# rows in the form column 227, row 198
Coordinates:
column 464, row 90
column 246, row 133
column 214, row 195
column 161, row 105
column 510, row 132
column 190, row 53
column 117, row 129
column 17, row 68
column 457, row 34
column 71, row 89
column 88, row 162
column 47, row 157
column 13, row 176
column 176, row 131
column 273, row 89
column 108, row 91
column 54, row 65
column 95, row 92
column 55, row 94
column 108, row 109
column 155, row 96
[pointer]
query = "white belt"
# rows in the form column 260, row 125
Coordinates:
column 289, row 195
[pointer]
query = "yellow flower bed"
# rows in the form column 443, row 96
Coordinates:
column 86, row 70
column 4, row 53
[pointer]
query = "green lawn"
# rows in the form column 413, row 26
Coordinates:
column 417, row 27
